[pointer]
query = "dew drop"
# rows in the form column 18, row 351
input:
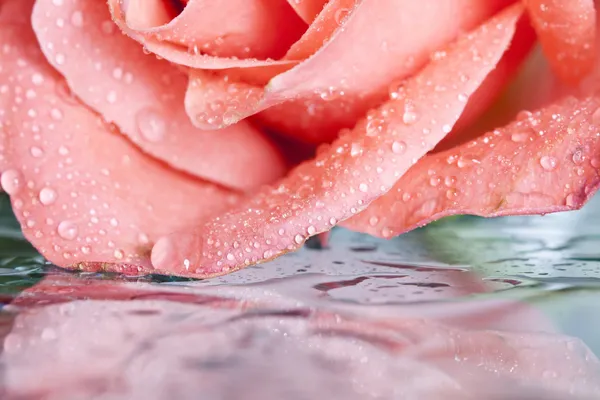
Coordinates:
column 373, row 221
column 143, row 239
column 11, row 181
column 340, row 15
column 111, row 97
column 355, row 149
column 450, row 181
column 399, row 147
column 86, row 249
column 548, row 163
column 375, row 127
column 451, row 194
column 519, row 137
column 67, row 230
column 578, row 157
column 298, row 239
column 47, row 196
column 410, row 116
column 36, row 152
column 363, row 187
column 151, row 124
column 311, row 230
column 56, row 114
column 118, row 254
column 267, row 254
column 60, row 59
column 37, row 79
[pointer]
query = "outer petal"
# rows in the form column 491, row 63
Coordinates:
column 355, row 170
column 351, row 73
column 144, row 97
column 544, row 162
column 567, row 31
column 81, row 191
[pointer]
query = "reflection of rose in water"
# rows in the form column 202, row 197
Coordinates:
column 80, row 339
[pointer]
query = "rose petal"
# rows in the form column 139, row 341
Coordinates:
column 144, row 14
column 144, row 97
column 359, row 167
column 308, row 9
column 215, row 100
column 351, row 72
column 330, row 18
column 567, row 32
column 80, row 190
column 191, row 57
column 230, row 28
column 467, row 127
column 544, row 162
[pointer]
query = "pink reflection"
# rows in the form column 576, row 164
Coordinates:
column 77, row 338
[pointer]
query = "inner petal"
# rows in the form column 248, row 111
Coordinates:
column 231, row 28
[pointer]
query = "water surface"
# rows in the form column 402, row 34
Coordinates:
column 465, row 308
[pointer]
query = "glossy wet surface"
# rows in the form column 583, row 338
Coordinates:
column 465, row 308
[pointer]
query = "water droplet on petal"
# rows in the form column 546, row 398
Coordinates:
column 578, row 156
column 450, row 181
column 56, row 114
column 36, row 152
column 67, row 230
column 298, row 239
column 519, row 137
column 143, row 239
column 118, row 254
column 151, row 124
column 451, row 194
column 548, row 163
column 340, row 15
column 399, row 147
column 355, row 149
column 47, row 196
column 410, row 116
column 11, row 181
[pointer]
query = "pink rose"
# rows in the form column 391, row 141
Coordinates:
column 161, row 150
